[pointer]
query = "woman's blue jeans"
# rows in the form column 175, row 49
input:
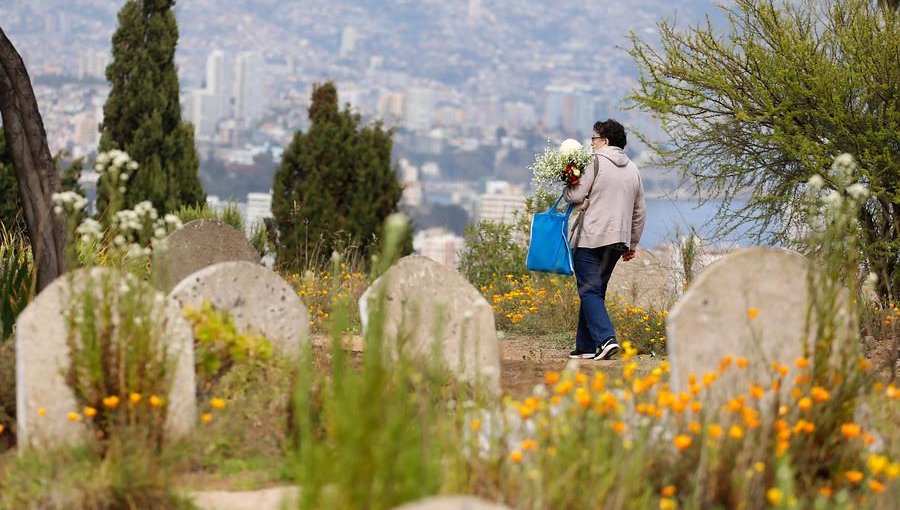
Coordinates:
column 593, row 268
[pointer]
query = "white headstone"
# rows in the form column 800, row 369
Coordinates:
column 257, row 298
column 428, row 302
column 714, row 318
column 43, row 358
column 199, row 244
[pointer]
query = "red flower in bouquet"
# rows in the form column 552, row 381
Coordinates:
column 569, row 176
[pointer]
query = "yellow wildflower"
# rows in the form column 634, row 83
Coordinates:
column 516, row 456
column 217, row 403
column 134, row 398
column 851, row 430
column 669, row 491
column 736, row 432
column 774, row 496
column 752, row 313
column 667, row 504
column 206, row 417
column 73, row 416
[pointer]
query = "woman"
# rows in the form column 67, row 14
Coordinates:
column 609, row 227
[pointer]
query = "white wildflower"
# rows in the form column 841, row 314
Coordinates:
column 124, row 177
column 833, row 199
column 103, row 158
column 132, row 165
column 159, row 233
column 816, row 182
column 58, row 210
column 858, row 191
column 99, row 168
column 844, row 165
column 134, row 251
column 90, row 229
column 871, row 281
column 119, row 240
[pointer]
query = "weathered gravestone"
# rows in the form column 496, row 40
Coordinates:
column 452, row 503
column 257, row 298
column 425, row 303
column 644, row 281
column 714, row 317
column 43, row 358
column 199, row 244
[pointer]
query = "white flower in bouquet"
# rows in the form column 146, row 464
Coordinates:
column 570, row 146
column 549, row 168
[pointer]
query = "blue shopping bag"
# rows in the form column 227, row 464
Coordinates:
column 549, row 250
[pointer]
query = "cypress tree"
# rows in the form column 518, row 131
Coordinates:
column 335, row 184
column 142, row 115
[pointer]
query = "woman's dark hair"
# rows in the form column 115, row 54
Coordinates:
column 612, row 131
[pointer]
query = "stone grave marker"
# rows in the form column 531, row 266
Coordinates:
column 427, row 302
column 257, row 298
column 644, row 281
column 452, row 503
column 713, row 319
column 199, row 244
column 42, row 358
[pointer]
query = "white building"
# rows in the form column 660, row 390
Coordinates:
column 440, row 246
column 217, row 83
column 259, row 208
column 250, row 87
column 500, row 208
column 93, row 65
column 349, row 39
column 420, row 105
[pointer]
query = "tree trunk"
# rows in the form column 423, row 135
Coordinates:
column 35, row 171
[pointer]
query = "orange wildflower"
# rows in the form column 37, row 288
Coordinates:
column 851, row 430
column 853, row 476
column 682, row 442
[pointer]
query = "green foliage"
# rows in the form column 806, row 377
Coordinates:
column 371, row 432
column 492, row 249
column 114, row 330
column 16, row 278
column 76, row 479
column 230, row 214
column 142, row 115
column 335, row 183
column 219, row 345
column 761, row 108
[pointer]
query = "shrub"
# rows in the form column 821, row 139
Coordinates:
column 16, row 278
column 492, row 249
column 219, row 346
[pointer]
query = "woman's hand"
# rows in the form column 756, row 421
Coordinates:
column 628, row 255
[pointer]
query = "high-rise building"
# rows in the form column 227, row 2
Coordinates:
column 217, row 84
column 93, row 65
column 475, row 11
column 250, row 87
column 420, row 103
column 349, row 39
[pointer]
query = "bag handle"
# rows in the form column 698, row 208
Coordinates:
column 555, row 206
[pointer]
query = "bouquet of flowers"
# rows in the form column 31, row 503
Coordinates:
column 565, row 164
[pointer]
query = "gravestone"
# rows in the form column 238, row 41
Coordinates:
column 644, row 281
column 257, row 298
column 452, row 503
column 427, row 303
column 199, row 244
column 711, row 320
column 42, row 359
